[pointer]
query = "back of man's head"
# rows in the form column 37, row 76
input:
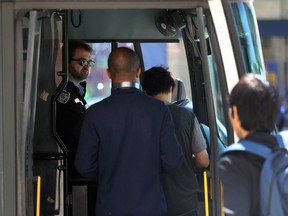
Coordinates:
column 157, row 80
column 256, row 103
column 123, row 61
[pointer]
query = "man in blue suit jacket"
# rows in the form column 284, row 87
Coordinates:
column 127, row 141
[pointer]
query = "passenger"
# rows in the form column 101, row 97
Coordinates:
column 126, row 142
column 71, row 105
column 180, row 187
column 253, row 114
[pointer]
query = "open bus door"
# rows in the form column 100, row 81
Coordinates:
column 220, row 41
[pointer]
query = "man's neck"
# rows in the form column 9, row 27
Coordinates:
column 77, row 83
column 242, row 133
column 125, row 85
column 166, row 98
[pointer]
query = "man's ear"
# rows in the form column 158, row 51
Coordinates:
column 138, row 72
column 237, row 124
column 108, row 73
column 235, row 113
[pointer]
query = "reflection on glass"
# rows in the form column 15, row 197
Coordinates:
column 245, row 20
column 217, row 99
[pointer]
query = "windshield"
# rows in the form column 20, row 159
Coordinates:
column 246, row 24
column 170, row 55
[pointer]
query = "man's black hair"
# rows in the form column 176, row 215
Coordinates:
column 256, row 102
column 78, row 44
column 157, row 80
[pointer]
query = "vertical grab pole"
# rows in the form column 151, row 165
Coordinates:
column 29, row 108
column 38, row 197
column 206, row 204
column 222, row 201
column 211, row 113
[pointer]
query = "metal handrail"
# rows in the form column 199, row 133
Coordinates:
column 38, row 196
column 206, row 203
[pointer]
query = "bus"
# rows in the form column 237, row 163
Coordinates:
column 207, row 44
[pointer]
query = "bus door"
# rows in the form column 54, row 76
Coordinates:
column 39, row 152
column 206, row 44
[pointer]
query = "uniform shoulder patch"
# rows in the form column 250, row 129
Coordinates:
column 63, row 97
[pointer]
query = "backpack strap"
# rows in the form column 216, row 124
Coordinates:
column 249, row 146
column 256, row 148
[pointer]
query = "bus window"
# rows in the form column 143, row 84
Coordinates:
column 244, row 17
column 154, row 54
column 217, row 100
column 178, row 64
column 170, row 55
column 98, row 83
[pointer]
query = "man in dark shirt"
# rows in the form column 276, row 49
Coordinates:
column 127, row 141
column 71, row 105
column 181, row 187
column 253, row 114
column 71, row 109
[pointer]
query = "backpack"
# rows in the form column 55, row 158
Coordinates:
column 273, row 175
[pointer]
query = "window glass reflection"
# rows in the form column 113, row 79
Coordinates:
column 244, row 17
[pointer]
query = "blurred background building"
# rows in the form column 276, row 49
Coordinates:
column 273, row 26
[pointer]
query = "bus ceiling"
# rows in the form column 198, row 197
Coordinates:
column 126, row 25
column 123, row 25
column 109, row 4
